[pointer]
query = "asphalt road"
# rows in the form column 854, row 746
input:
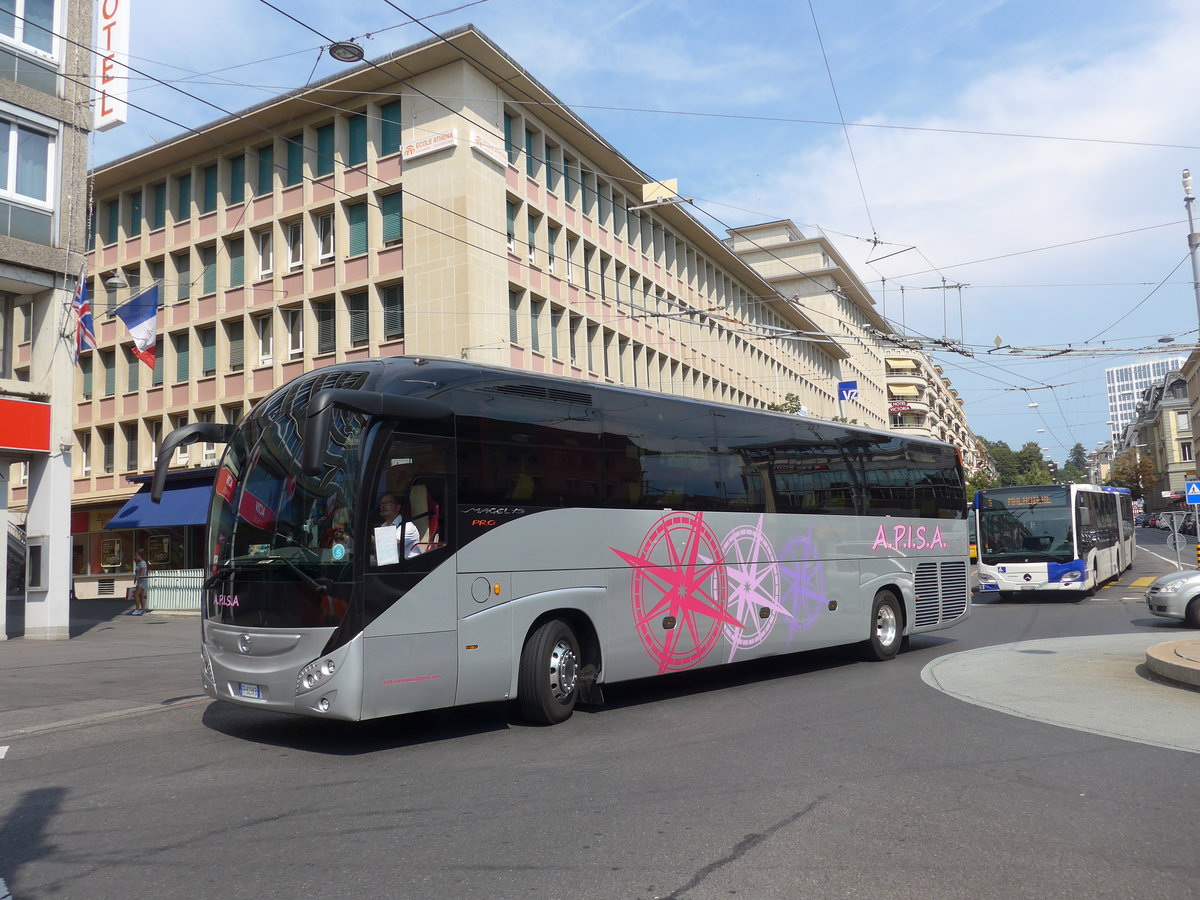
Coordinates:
column 813, row 776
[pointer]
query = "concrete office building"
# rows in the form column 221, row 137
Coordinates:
column 45, row 118
column 438, row 201
column 1126, row 384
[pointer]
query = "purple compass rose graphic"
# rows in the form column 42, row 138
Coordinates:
column 678, row 572
column 754, row 586
column 803, row 583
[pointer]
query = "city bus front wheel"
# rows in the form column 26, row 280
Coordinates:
column 548, row 681
column 887, row 628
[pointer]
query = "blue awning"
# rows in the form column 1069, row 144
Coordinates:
column 185, row 504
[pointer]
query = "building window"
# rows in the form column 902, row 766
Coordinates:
column 389, row 128
column 237, row 262
column 325, row 150
column 29, row 24
column 293, row 322
column 535, row 322
column 356, row 140
column 209, row 450
column 356, row 221
column 182, row 363
column 129, row 434
column 181, row 452
column 134, row 224
column 294, row 173
column 132, row 363
column 360, row 325
column 106, row 443
column 511, row 213
column 556, row 316
column 514, row 312
column 392, row 207
column 85, row 452
column 264, row 328
column 85, row 374
column 295, row 244
column 1181, row 421
column 183, row 197
column 27, row 161
column 108, row 362
column 208, row 264
column 234, row 333
column 1185, row 451
column 208, row 177
column 208, row 350
column 157, row 378
column 392, row 296
column 264, row 241
column 265, row 183
column 325, row 236
column 158, row 205
column 510, row 126
column 237, row 180
column 326, row 326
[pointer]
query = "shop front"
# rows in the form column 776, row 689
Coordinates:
column 169, row 533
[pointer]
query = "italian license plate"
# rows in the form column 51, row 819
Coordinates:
column 250, row 691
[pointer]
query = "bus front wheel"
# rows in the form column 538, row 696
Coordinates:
column 548, row 681
column 887, row 627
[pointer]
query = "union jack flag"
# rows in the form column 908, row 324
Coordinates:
column 85, row 331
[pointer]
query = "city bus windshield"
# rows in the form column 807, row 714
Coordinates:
column 1023, row 525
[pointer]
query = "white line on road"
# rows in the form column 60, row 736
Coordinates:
column 3, row 752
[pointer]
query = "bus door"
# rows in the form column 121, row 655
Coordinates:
column 409, row 608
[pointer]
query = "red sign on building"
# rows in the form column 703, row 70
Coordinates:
column 24, row 425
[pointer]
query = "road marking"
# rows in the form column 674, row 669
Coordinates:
column 3, row 752
column 1141, row 582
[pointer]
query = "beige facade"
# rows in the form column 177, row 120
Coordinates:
column 1163, row 432
column 45, row 111
column 922, row 400
column 363, row 217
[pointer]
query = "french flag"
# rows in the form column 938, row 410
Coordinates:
column 140, row 316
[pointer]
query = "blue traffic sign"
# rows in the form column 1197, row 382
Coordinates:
column 1192, row 492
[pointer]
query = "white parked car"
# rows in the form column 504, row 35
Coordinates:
column 1176, row 596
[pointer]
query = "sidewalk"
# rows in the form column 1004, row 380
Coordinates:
column 113, row 664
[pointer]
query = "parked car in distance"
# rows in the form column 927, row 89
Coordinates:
column 1176, row 596
column 1188, row 525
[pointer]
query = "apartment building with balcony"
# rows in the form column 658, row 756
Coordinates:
column 922, row 400
column 455, row 208
column 45, row 118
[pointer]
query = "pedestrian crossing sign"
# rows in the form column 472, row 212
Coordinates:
column 1193, row 492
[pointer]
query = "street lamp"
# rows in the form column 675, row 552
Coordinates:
column 1193, row 238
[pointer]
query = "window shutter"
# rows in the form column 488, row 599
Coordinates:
column 160, row 205
column 360, row 328
column 135, row 213
column 237, row 342
column 208, row 350
column 237, row 262
column 356, row 152
column 295, row 159
column 85, row 365
column 266, row 170
column 393, row 311
column 158, row 362
column 325, row 149
column 184, row 209
column 326, row 336
column 237, row 179
column 392, row 207
column 210, row 189
column 182, row 366
column 389, row 128
column 110, row 373
column 356, row 216
column 133, row 364
column 208, row 258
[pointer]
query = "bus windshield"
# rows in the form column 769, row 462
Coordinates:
column 289, row 533
column 1026, row 525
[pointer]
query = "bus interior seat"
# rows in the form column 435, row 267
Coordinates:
column 425, row 512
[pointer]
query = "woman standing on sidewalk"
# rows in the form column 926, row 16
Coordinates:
column 141, row 573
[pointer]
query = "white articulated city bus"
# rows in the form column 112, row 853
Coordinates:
column 567, row 534
column 1058, row 537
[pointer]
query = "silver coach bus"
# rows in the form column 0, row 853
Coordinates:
column 558, row 535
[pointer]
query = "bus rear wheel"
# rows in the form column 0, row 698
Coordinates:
column 887, row 628
column 548, row 680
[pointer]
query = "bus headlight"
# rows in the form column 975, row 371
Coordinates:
column 314, row 673
column 1072, row 576
column 206, row 668
column 987, row 579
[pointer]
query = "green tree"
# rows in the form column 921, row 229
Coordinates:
column 791, row 404
column 1133, row 471
column 1078, row 457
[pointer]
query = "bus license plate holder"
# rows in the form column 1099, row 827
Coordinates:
column 249, row 691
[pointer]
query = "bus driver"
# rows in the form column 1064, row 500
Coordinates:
column 406, row 531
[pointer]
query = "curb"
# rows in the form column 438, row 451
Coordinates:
column 1177, row 661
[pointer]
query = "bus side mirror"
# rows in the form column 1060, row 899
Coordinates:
column 318, row 417
column 209, row 432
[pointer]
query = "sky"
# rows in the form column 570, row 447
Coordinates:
column 1003, row 176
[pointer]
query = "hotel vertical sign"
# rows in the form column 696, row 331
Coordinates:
column 112, row 57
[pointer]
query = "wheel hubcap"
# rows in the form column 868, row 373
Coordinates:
column 885, row 625
column 564, row 671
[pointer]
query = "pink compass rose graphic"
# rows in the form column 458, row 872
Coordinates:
column 754, row 582
column 679, row 573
